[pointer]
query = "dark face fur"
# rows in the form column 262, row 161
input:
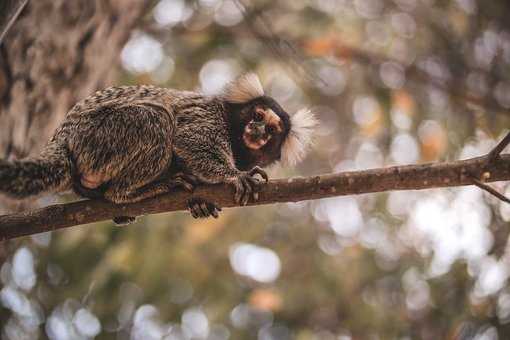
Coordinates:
column 263, row 126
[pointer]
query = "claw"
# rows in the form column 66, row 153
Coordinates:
column 200, row 212
column 214, row 213
column 247, row 191
column 247, row 186
column 257, row 170
column 239, row 191
column 204, row 209
column 255, row 183
column 201, row 208
column 123, row 220
column 187, row 186
column 193, row 212
column 186, row 181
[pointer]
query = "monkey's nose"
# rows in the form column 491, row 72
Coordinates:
column 258, row 129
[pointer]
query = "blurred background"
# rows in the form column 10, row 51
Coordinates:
column 392, row 82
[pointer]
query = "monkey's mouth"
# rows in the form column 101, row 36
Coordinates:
column 254, row 136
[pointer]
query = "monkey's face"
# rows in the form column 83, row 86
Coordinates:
column 261, row 131
column 261, row 126
column 264, row 126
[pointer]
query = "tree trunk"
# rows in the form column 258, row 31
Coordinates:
column 56, row 53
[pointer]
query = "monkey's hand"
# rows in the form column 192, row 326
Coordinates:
column 201, row 208
column 246, row 185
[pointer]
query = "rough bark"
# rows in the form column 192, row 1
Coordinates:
column 56, row 53
column 411, row 177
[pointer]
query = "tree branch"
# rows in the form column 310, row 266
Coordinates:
column 490, row 190
column 494, row 154
column 9, row 11
column 409, row 177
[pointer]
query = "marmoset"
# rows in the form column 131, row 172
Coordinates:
column 129, row 143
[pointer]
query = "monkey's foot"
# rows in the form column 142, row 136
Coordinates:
column 246, row 186
column 201, row 208
column 124, row 220
column 186, row 181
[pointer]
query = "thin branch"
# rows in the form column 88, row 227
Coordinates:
column 492, row 157
column 490, row 190
column 9, row 11
column 494, row 154
column 409, row 177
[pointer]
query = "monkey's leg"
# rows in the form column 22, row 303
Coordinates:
column 186, row 181
column 123, row 148
column 123, row 193
column 120, row 193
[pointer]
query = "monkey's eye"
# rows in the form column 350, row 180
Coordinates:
column 258, row 116
column 271, row 129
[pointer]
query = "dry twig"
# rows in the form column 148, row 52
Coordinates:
column 494, row 154
column 492, row 157
column 490, row 190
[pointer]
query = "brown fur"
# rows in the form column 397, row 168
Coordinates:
column 130, row 143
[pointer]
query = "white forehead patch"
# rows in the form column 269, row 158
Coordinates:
column 300, row 137
column 243, row 89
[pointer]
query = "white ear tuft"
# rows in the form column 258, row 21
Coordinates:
column 243, row 89
column 300, row 137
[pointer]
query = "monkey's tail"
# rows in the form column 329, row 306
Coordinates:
column 50, row 172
